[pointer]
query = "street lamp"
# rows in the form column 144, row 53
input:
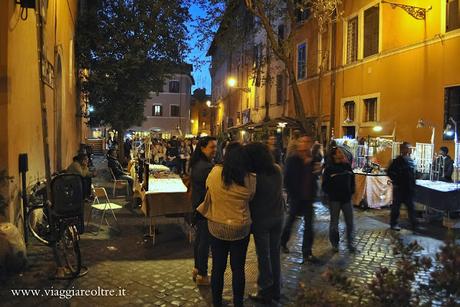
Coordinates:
column 451, row 131
column 208, row 103
column 231, row 82
column 377, row 128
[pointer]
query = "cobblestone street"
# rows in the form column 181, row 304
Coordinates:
column 160, row 275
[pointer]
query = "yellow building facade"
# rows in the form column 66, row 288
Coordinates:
column 383, row 64
column 20, row 112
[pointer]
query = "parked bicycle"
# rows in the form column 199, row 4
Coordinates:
column 58, row 223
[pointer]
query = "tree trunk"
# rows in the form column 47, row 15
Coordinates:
column 121, row 144
column 298, row 104
column 268, row 85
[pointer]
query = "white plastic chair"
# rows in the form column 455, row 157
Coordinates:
column 102, row 203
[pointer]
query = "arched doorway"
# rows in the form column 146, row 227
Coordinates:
column 58, row 113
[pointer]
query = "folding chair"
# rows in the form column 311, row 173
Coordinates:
column 117, row 183
column 100, row 193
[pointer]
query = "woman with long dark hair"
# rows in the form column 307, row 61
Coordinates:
column 267, row 213
column 230, row 188
column 201, row 164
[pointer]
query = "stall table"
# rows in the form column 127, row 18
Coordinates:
column 438, row 195
column 374, row 190
column 167, row 197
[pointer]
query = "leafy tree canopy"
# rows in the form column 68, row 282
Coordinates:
column 128, row 46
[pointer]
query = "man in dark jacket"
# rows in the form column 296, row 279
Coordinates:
column 300, row 181
column 402, row 174
column 446, row 165
column 201, row 164
column 117, row 169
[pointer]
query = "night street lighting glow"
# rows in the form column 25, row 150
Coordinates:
column 208, row 103
column 231, row 82
column 377, row 128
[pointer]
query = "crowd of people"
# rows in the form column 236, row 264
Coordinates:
column 244, row 194
column 239, row 189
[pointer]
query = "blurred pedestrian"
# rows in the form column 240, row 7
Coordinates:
column 339, row 185
column 267, row 213
column 274, row 149
column 201, row 164
column 300, row 181
column 402, row 174
column 226, row 206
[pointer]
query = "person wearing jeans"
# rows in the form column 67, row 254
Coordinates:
column 339, row 186
column 201, row 164
column 226, row 207
column 267, row 213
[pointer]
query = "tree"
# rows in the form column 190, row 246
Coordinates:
column 129, row 46
column 323, row 11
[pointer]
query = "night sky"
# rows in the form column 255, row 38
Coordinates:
column 200, row 72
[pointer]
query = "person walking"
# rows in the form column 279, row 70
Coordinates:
column 402, row 174
column 226, row 206
column 339, row 185
column 267, row 213
column 300, row 181
column 201, row 164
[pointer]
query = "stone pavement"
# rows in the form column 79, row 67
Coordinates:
column 160, row 275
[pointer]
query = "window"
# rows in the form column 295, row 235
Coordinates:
column 349, row 111
column 452, row 15
column 352, row 40
column 451, row 108
column 279, row 89
column 174, row 86
column 349, row 132
column 302, row 61
column 257, row 64
column 157, row 110
column 175, row 111
column 370, row 110
column 371, row 31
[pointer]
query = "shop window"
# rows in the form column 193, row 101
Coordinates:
column 349, row 132
column 370, row 110
column 451, row 108
column 157, row 110
column 452, row 15
column 302, row 61
column 371, row 31
column 175, row 111
column 352, row 40
column 174, row 86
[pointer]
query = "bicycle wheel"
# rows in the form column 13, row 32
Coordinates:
column 38, row 223
column 70, row 249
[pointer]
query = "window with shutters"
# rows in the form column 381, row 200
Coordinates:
column 157, row 110
column 370, row 110
column 352, row 40
column 174, row 86
column 349, row 111
column 452, row 15
column 175, row 111
column 302, row 61
column 371, row 31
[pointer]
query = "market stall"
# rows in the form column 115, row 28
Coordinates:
column 439, row 196
column 372, row 190
column 165, row 195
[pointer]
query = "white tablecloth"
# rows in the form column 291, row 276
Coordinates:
column 374, row 189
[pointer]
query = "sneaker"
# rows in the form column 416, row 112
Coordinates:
column 194, row 273
column 395, row 228
column 285, row 249
column 202, row 280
